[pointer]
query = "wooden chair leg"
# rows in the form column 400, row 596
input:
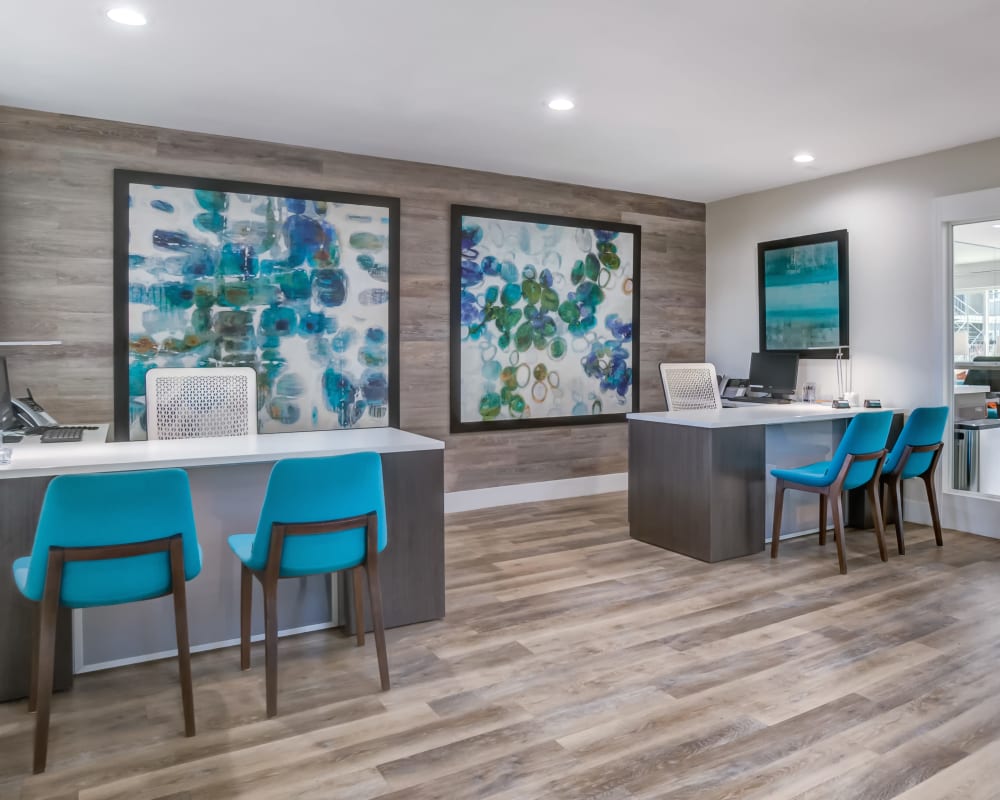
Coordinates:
column 895, row 489
column 179, row 590
column 49, row 614
column 837, row 510
column 35, row 637
column 873, row 498
column 271, row 644
column 359, row 605
column 779, row 502
column 246, row 614
column 822, row 520
column 933, row 503
column 375, row 594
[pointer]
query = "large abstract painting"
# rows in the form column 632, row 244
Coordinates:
column 301, row 285
column 545, row 320
column 803, row 294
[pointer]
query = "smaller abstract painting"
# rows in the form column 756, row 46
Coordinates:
column 544, row 320
column 803, row 294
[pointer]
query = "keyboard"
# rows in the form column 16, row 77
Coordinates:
column 770, row 400
column 64, row 433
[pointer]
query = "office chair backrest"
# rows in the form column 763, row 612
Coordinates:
column 111, row 509
column 690, row 386
column 201, row 402
column 924, row 427
column 867, row 433
column 320, row 490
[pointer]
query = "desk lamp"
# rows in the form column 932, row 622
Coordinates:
column 840, row 402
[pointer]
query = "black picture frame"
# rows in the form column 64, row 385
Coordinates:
column 457, row 214
column 840, row 237
column 124, row 178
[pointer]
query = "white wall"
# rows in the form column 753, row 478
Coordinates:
column 896, row 318
column 897, row 313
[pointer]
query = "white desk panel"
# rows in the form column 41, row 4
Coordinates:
column 754, row 414
column 37, row 460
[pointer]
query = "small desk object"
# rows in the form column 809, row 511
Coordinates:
column 228, row 477
column 700, row 483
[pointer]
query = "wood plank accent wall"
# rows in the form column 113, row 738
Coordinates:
column 55, row 272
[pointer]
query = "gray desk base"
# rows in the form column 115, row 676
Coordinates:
column 697, row 491
column 701, row 492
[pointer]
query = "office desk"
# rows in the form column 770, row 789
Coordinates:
column 700, row 483
column 228, row 477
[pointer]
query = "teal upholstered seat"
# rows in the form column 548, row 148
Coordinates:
column 107, row 539
column 915, row 455
column 867, row 433
column 861, row 452
column 319, row 515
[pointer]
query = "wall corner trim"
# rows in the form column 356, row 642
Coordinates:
column 473, row 499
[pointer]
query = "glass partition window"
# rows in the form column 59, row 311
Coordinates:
column 976, row 328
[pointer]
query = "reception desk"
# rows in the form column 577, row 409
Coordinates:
column 228, row 478
column 700, row 481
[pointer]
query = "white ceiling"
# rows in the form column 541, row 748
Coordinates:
column 701, row 99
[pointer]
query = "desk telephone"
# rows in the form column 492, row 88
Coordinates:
column 23, row 416
column 731, row 388
column 34, row 420
column 30, row 414
column 29, row 418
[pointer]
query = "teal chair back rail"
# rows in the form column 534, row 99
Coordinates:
column 919, row 441
column 307, row 490
column 124, row 511
column 865, row 436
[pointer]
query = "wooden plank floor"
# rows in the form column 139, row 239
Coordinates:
column 576, row 663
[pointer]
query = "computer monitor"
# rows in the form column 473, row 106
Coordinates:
column 984, row 377
column 775, row 373
column 7, row 418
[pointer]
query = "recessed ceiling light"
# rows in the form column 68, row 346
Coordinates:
column 127, row 16
column 561, row 104
column 804, row 158
column 996, row 225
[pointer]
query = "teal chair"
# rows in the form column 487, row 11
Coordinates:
column 320, row 515
column 856, row 464
column 103, row 540
column 915, row 455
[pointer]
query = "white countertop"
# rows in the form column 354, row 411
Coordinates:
column 32, row 459
column 972, row 390
column 753, row 414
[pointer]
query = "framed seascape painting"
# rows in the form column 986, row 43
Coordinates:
column 299, row 284
column 544, row 320
column 803, row 294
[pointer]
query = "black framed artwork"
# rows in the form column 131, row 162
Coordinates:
column 803, row 297
column 302, row 285
column 544, row 320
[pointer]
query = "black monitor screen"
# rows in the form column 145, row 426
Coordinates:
column 984, row 377
column 774, row 372
column 6, row 409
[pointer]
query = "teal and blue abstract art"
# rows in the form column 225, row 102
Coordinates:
column 298, row 284
column 544, row 319
column 803, row 294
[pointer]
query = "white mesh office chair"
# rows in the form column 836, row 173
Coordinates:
column 197, row 403
column 690, row 386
